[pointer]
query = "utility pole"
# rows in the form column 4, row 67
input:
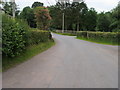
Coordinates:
column 63, row 15
column 63, row 23
column 13, row 8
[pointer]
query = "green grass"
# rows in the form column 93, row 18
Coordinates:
column 98, row 41
column 26, row 55
column 67, row 34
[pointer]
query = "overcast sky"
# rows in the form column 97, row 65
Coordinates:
column 99, row 5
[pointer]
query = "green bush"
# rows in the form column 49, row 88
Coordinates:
column 17, row 36
column 111, row 37
column 38, row 36
column 13, row 36
column 82, row 34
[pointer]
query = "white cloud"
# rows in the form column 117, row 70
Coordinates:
column 102, row 5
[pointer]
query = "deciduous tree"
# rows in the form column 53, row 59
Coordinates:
column 28, row 15
column 42, row 18
column 37, row 4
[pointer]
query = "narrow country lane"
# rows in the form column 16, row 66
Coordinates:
column 71, row 63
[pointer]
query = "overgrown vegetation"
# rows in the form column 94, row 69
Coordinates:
column 13, row 36
column 36, row 16
column 8, row 8
column 28, row 15
column 42, row 18
column 37, row 36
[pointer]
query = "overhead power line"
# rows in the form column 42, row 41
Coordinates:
column 48, row 2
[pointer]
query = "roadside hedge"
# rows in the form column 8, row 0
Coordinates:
column 111, row 37
column 16, row 36
column 38, row 36
column 12, row 34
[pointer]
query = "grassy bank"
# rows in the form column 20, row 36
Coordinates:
column 108, row 38
column 98, row 41
column 26, row 55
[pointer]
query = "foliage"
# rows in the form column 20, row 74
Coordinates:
column 115, row 25
column 79, row 17
column 112, row 37
column 7, row 6
column 17, row 36
column 38, row 36
column 90, row 21
column 56, row 14
column 28, row 15
column 37, row 4
column 13, row 37
column 79, row 11
column 74, row 15
column 82, row 34
column 103, row 22
column 42, row 18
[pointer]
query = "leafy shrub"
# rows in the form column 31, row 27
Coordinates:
column 112, row 37
column 42, row 17
column 13, row 36
column 82, row 34
column 17, row 36
column 116, row 30
column 37, row 36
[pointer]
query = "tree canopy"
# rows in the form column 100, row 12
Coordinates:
column 37, row 4
column 7, row 6
column 42, row 18
column 79, row 17
column 28, row 15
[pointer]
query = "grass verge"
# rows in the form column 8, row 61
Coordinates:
column 26, row 55
column 99, row 41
